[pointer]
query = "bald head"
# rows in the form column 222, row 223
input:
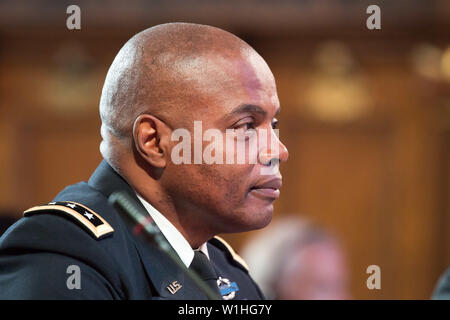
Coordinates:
column 165, row 71
column 166, row 80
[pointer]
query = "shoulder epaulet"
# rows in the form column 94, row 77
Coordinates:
column 233, row 254
column 90, row 220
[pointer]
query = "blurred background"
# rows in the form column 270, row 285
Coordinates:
column 365, row 116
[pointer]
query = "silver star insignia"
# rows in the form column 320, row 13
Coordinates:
column 89, row 215
column 71, row 205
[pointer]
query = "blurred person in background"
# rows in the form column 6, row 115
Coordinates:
column 306, row 262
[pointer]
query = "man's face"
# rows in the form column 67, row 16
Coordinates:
column 237, row 97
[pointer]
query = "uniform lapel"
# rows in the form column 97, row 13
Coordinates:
column 166, row 277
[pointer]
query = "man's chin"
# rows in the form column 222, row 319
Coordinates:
column 265, row 217
column 254, row 215
column 260, row 225
column 257, row 218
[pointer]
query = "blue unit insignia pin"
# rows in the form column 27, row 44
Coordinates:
column 227, row 288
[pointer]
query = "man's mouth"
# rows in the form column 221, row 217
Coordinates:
column 267, row 189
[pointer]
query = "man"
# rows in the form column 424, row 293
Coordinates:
column 165, row 80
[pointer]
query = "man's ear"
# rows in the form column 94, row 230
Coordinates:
column 149, row 135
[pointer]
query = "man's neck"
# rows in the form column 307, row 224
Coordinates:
column 186, row 221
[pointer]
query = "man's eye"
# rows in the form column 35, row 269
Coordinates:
column 275, row 123
column 245, row 126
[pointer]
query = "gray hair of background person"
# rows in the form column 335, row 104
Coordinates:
column 267, row 252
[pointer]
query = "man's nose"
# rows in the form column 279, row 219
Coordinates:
column 284, row 153
column 274, row 150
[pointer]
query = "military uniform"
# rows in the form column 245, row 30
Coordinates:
column 442, row 291
column 80, row 228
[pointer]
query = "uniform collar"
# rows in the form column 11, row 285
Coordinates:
column 173, row 236
column 161, row 271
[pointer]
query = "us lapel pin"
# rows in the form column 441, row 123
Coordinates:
column 174, row 287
